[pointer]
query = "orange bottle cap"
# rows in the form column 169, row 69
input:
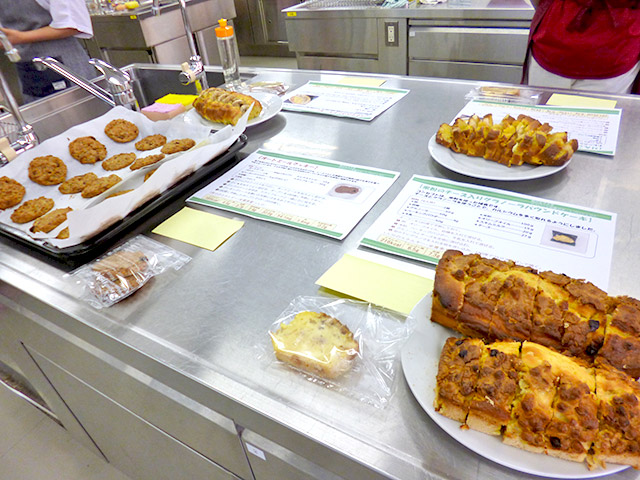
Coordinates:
column 224, row 30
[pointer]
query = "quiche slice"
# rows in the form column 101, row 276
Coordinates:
column 496, row 388
column 532, row 409
column 457, row 377
column 618, row 438
column 316, row 343
column 621, row 347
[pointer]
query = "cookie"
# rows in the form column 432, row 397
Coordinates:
column 64, row 233
column 148, row 174
column 179, row 145
column 47, row 170
column 119, row 161
column 121, row 131
column 146, row 161
column 11, row 192
column 100, row 185
column 151, row 142
column 121, row 192
column 32, row 209
column 51, row 220
column 76, row 184
column 87, row 150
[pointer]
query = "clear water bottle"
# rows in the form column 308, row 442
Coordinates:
column 229, row 56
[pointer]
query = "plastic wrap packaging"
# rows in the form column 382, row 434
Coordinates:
column 125, row 269
column 505, row 94
column 277, row 88
column 363, row 366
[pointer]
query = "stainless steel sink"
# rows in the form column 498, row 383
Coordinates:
column 56, row 113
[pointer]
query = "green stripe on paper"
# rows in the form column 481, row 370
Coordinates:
column 401, row 251
column 326, row 163
column 265, row 217
column 512, row 198
column 340, row 85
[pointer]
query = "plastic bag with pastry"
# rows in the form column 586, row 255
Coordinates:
column 125, row 269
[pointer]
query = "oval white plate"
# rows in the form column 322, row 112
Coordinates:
column 271, row 105
column 478, row 167
column 420, row 356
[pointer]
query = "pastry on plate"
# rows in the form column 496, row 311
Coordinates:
column 222, row 106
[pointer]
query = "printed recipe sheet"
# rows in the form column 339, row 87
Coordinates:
column 322, row 196
column 340, row 100
column 432, row 215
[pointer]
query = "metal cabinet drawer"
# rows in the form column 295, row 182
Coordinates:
column 357, row 36
column 134, row 446
column 212, row 435
column 468, row 44
column 470, row 71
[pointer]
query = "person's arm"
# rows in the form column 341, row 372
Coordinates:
column 16, row 37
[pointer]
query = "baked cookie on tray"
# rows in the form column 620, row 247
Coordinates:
column 121, row 130
column 11, row 192
column 32, row 209
column 146, row 161
column 148, row 174
column 119, row 161
column 87, row 150
column 150, row 142
column 76, row 184
column 178, row 145
column 47, row 170
column 64, row 233
column 51, row 220
column 100, row 185
column 121, row 192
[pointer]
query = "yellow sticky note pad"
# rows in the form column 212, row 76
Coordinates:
column 184, row 99
column 362, row 81
column 373, row 282
column 198, row 228
column 560, row 99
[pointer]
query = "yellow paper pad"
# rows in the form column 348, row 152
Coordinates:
column 561, row 99
column 362, row 81
column 186, row 100
column 376, row 283
column 198, row 228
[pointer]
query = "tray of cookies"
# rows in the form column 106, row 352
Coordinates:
column 85, row 187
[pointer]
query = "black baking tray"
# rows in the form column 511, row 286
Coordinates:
column 81, row 253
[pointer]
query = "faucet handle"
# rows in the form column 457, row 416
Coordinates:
column 117, row 80
column 119, row 83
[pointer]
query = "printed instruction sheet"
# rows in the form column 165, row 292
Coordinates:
column 341, row 100
column 432, row 215
column 322, row 196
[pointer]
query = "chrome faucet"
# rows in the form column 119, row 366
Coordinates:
column 26, row 137
column 119, row 83
column 193, row 70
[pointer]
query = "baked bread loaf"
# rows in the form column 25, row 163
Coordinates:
column 316, row 343
column 499, row 300
column 540, row 400
column 510, row 142
column 223, row 106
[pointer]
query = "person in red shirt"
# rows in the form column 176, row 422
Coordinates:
column 584, row 45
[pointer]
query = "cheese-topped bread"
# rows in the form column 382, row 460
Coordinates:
column 316, row 343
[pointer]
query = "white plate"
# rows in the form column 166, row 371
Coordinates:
column 271, row 105
column 478, row 167
column 420, row 356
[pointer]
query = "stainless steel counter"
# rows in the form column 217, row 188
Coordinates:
column 201, row 331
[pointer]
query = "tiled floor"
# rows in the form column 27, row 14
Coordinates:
column 33, row 446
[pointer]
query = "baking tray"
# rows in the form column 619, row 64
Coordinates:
column 81, row 253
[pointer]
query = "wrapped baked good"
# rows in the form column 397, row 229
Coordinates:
column 316, row 343
column 222, row 106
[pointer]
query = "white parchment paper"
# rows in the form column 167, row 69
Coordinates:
column 91, row 216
